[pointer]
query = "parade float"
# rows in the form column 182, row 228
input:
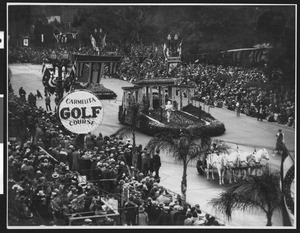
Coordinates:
column 65, row 72
column 166, row 105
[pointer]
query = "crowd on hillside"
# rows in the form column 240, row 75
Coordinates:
column 54, row 175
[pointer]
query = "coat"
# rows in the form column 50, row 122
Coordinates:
column 75, row 160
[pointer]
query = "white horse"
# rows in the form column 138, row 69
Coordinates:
column 255, row 161
column 243, row 163
column 215, row 161
column 231, row 163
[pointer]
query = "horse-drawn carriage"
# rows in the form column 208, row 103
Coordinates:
column 233, row 164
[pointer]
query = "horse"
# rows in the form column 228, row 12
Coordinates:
column 255, row 161
column 243, row 163
column 231, row 164
column 215, row 161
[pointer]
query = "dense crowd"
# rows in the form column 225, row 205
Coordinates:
column 246, row 90
column 55, row 175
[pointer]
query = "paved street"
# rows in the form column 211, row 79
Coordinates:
column 244, row 131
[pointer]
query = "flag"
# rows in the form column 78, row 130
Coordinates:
column 287, row 171
column 179, row 49
column 43, row 68
column 165, row 51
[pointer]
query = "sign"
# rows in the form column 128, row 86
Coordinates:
column 25, row 42
column 80, row 112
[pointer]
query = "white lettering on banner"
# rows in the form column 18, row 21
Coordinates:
column 80, row 112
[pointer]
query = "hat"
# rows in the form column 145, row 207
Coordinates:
column 172, row 204
column 55, row 175
column 41, row 193
column 176, row 207
column 161, row 204
column 202, row 215
column 166, row 207
column 56, row 190
column 22, row 198
column 141, row 209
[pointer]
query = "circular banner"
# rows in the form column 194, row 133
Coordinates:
column 80, row 112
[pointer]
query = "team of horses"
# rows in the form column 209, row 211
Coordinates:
column 237, row 164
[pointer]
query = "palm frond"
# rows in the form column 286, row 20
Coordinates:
column 124, row 132
column 254, row 193
column 162, row 143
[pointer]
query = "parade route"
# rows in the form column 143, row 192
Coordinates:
column 244, row 131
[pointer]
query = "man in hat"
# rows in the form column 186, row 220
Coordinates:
column 156, row 163
column 75, row 159
column 164, row 219
column 280, row 141
column 130, row 212
column 142, row 217
column 188, row 221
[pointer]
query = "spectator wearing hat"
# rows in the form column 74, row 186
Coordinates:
column 179, row 216
column 143, row 219
column 145, row 162
column 156, row 163
column 48, row 103
column 280, row 141
column 87, row 138
column 22, row 93
column 188, row 221
column 87, row 222
column 128, row 156
column 164, row 219
column 130, row 211
column 75, row 160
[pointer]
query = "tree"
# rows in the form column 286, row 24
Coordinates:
column 254, row 193
column 133, row 113
column 186, row 148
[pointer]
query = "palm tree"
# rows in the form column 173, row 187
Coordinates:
column 131, row 129
column 254, row 193
column 186, row 148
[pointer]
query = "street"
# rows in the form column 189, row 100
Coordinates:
column 244, row 131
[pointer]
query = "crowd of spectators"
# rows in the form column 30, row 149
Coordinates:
column 54, row 175
column 255, row 93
